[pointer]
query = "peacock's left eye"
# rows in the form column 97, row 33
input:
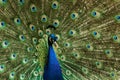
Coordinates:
column 33, row 8
column 56, row 23
column 44, row 18
column 17, row 21
column 2, row 68
column 32, row 27
column 74, row 16
column 12, row 75
column 2, row 25
column 5, row 44
column 22, row 37
column 55, row 5
column 22, row 76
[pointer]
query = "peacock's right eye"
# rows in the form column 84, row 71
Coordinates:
column 33, row 8
column 55, row 5
column 22, row 37
column 22, row 76
column 44, row 18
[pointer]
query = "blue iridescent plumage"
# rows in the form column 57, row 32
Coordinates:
column 52, row 70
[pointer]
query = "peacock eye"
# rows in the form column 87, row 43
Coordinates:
column 58, row 37
column 56, row 23
column 22, row 37
column 32, row 27
column 17, row 21
column 48, row 32
column 55, row 5
column 12, row 75
column 84, row 70
column 34, row 40
column 40, row 33
column 88, row 46
column 2, row 68
column 29, row 49
column 44, row 18
column 35, row 73
column 68, row 72
column 95, row 33
column 112, row 74
column 117, row 17
column 21, row 2
column 95, row 14
column 5, row 44
column 22, row 76
column 74, row 16
column 25, row 60
column 108, row 53
column 3, row 2
column 13, row 56
column 115, row 37
column 2, row 25
column 35, row 60
column 67, row 44
column 63, row 58
column 72, row 32
column 33, row 8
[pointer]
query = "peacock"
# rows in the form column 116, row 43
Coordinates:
column 59, row 39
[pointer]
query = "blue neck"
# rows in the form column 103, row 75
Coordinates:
column 52, row 70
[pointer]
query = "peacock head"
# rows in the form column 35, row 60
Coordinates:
column 52, row 40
